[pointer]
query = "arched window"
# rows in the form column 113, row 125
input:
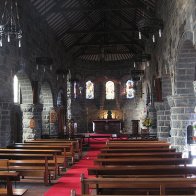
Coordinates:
column 130, row 92
column 16, row 86
column 89, row 90
column 110, row 93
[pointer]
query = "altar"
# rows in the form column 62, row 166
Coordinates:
column 110, row 126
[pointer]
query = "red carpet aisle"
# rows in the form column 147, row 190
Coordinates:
column 71, row 179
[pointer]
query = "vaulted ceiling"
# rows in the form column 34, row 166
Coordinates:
column 99, row 30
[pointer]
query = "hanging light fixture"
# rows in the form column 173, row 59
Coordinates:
column 10, row 28
column 60, row 74
column 150, row 26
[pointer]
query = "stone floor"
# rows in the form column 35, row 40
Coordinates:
column 35, row 187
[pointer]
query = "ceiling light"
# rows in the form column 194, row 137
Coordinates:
column 10, row 28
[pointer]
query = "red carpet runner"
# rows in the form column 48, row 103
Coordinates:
column 71, row 179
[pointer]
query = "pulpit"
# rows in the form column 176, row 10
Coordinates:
column 108, row 126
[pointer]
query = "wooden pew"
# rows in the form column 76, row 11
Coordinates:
column 9, row 177
column 141, row 154
column 135, row 141
column 136, row 150
column 77, row 144
column 132, row 185
column 55, row 153
column 31, row 164
column 137, row 145
column 67, row 150
column 143, row 171
column 142, row 161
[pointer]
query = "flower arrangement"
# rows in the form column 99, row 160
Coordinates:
column 147, row 122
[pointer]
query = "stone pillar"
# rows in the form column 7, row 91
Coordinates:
column 5, row 123
column 163, row 120
column 69, row 114
column 182, row 115
column 30, row 111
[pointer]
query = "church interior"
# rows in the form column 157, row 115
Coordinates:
column 80, row 75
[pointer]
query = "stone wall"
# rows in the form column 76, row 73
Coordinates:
column 177, row 62
column 21, row 61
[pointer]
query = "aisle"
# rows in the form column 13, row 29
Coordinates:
column 71, row 179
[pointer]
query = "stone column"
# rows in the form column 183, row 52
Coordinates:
column 182, row 115
column 163, row 120
column 30, row 111
column 69, row 114
column 5, row 122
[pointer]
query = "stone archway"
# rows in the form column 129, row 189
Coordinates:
column 27, row 107
column 182, row 103
column 46, row 99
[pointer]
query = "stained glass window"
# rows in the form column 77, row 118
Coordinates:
column 129, row 89
column 110, row 93
column 89, row 90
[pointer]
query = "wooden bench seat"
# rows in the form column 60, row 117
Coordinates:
column 134, row 141
column 36, row 164
column 33, row 168
column 136, row 150
column 142, row 171
column 4, row 153
column 77, row 144
column 9, row 177
column 77, row 147
column 145, row 154
column 15, row 192
column 60, row 158
column 137, row 145
column 142, row 161
column 67, row 150
column 161, row 185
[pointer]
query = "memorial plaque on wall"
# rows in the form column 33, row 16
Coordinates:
column 53, row 116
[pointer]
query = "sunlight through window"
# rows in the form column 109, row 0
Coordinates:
column 16, row 90
column 110, row 94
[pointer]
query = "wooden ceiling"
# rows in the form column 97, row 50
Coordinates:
column 98, row 30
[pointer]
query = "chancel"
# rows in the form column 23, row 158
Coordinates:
column 79, row 77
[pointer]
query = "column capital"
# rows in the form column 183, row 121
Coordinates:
column 181, row 101
column 161, row 106
column 31, row 107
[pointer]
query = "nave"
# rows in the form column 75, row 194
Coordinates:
column 117, row 166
